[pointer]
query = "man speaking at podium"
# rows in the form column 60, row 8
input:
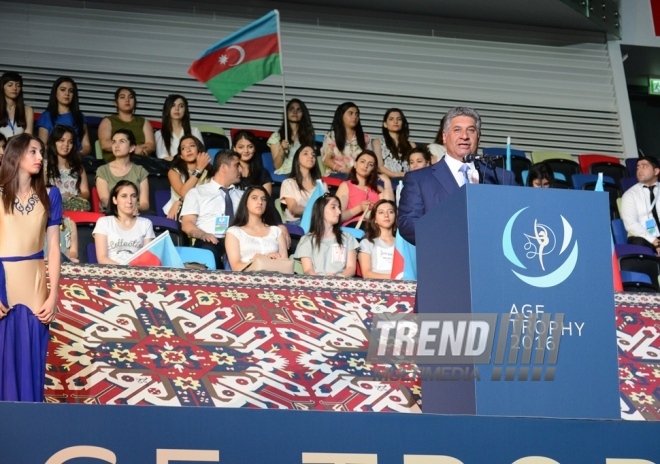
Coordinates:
column 425, row 188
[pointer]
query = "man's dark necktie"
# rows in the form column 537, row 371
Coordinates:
column 229, row 206
column 653, row 208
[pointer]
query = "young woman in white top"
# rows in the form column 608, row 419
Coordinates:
column 119, row 236
column 191, row 167
column 377, row 248
column 252, row 233
column 176, row 124
column 393, row 145
column 295, row 191
column 300, row 133
column 15, row 116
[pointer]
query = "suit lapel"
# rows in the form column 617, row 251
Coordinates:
column 442, row 173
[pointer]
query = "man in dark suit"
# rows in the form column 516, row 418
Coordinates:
column 425, row 188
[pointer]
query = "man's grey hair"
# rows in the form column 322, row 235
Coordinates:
column 462, row 111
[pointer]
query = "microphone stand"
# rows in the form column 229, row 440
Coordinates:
column 478, row 168
column 491, row 165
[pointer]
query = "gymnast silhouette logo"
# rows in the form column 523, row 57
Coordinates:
column 541, row 242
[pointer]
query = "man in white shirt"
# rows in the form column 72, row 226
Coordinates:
column 209, row 208
column 640, row 206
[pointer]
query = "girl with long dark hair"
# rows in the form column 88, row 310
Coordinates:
column 253, row 232
column 252, row 171
column 126, row 103
column 345, row 140
column 190, row 167
column 64, row 109
column 300, row 133
column 65, row 171
column 15, row 116
column 28, row 210
column 377, row 248
column 296, row 190
column 393, row 145
column 326, row 250
column 176, row 124
column 361, row 191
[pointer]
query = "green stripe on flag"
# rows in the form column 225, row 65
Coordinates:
column 230, row 82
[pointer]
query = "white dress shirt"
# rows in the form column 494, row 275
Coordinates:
column 636, row 211
column 455, row 168
column 207, row 202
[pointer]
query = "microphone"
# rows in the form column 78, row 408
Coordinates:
column 484, row 158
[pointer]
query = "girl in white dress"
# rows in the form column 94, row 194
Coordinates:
column 253, row 232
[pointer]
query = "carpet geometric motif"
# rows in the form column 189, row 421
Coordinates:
column 638, row 339
column 198, row 338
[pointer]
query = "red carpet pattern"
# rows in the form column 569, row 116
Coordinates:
column 638, row 337
column 196, row 338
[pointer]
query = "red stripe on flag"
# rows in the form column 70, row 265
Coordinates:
column 147, row 259
column 655, row 13
column 226, row 58
column 616, row 271
column 398, row 265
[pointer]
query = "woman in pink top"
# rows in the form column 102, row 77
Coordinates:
column 362, row 190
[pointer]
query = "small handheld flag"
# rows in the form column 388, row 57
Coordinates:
column 242, row 59
column 306, row 220
column 158, row 252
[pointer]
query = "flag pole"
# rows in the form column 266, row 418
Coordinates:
column 279, row 42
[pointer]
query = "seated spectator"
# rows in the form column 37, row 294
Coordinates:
column 361, row 191
column 326, row 250
column 391, row 147
column 540, row 175
column 377, row 248
column 65, row 171
column 176, row 124
column 121, row 168
column 640, row 206
column 68, row 240
column 418, row 158
column 64, row 109
column 15, row 116
column 143, row 133
column 437, row 148
column 296, row 190
column 345, row 141
column 253, row 233
column 120, row 235
column 252, row 171
column 208, row 209
column 300, row 133
column 190, row 168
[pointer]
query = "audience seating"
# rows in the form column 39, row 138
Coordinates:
column 210, row 129
column 639, row 259
column 214, row 140
column 627, row 182
column 161, row 197
column 588, row 182
column 619, row 233
column 519, row 161
column 96, row 201
column 587, row 160
column 161, row 224
column 636, row 282
column 196, row 255
column 91, row 253
column 614, row 170
column 267, row 162
column 85, row 223
column 631, row 165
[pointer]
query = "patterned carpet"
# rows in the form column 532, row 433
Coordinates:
column 197, row 338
